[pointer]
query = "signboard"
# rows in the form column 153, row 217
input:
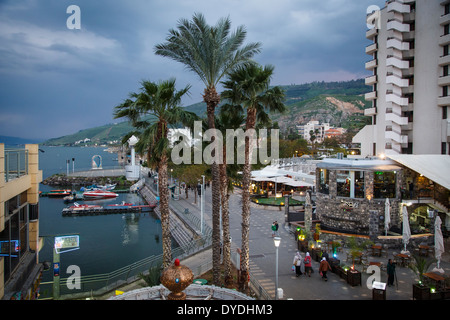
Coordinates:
column 67, row 243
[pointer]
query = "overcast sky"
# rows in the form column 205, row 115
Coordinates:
column 56, row 81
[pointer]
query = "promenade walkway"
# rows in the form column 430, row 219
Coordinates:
column 262, row 258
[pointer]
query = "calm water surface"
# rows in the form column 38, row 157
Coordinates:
column 107, row 242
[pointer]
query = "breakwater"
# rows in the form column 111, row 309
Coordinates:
column 65, row 181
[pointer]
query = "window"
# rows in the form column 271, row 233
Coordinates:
column 443, row 148
column 324, row 181
column 359, row 184
column 444, row 113
column 384, row 183
column 343, row 183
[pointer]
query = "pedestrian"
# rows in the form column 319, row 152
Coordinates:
column 390, row 269
column 308, row 265
column 323, row 268
column 325, row 255
column 274, row 229
column 298, row 264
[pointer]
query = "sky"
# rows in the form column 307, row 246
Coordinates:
column 56, row 80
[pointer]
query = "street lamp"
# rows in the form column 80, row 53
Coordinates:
column 276, row 241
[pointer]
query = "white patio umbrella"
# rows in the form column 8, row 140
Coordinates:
column 438, row 244
column 387, row 215
column 406, row 230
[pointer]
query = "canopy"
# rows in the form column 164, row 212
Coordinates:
column 295, row 183
column 435, row 167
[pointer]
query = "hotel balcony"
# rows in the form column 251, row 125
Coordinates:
column 370, row 111
column 444, row 39
column 397, row 25
column 370, row 80
column 398, row 7
column 371, row 33
column 397, row 44
column 371, row 64
column 399, row 82
column 443, row 101
column 443, row 60
column 444, row 81
column 390, row 97
column 408, row 90
column 371, row 48
column 370, row 95
column 444, row 19
column 409, row 35
column 409, row 72
column 395, row 118
column 396, row 137
column 396, row 62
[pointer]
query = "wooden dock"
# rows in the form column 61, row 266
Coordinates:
column 102, row 210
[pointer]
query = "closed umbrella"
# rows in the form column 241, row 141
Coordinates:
column 406, row 230
column 387, row 215
column 438, row 243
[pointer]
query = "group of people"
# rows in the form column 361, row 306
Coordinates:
column 324, row 266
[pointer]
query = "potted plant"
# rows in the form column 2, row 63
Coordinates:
column 420, row 266
column 317, row 232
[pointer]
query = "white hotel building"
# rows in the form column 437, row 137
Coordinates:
column 410, row 95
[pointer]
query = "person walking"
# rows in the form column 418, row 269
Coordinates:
column 274, row 229
column 298, row 264
column 324, row 266
column 308, row 266
column 390, row 269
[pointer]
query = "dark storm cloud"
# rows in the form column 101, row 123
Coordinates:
column 55, row 81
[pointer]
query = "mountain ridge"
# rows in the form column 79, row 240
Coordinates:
column 339, row 103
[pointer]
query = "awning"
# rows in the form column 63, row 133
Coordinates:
column 434, row 167
column 296, row 183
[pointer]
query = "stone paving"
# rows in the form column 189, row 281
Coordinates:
column 262, row 259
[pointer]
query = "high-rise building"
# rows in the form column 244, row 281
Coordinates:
column 410, row 94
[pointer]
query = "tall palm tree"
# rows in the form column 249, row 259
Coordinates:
column 211, row 52
column 162, row 101
column 247, row 89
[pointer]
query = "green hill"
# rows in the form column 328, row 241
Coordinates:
column 339, row 103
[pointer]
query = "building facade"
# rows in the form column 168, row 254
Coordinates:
column 19, row 222
column 410, row 83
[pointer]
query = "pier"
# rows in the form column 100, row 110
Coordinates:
column 101, row 210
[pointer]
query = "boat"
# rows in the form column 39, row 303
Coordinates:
column 107, row 187
column 99, row 194
column 124, row 207
column 59, row 193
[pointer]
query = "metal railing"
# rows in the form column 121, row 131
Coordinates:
column 16, row 163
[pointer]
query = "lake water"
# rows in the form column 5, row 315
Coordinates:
column 107, row 242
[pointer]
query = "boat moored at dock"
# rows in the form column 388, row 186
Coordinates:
column 99, row 194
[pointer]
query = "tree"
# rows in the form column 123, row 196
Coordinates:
column 247, row 89
column 211, row 52
column 162, row 101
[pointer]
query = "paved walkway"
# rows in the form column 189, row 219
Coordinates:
column 262, row 258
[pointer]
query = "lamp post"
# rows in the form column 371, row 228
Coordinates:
column 276, row 241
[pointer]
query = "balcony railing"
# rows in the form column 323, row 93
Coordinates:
column 16, row 163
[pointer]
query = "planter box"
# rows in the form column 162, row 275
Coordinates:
column 316, row 254
column 334, row 263
column 353, row 277
column 302, row 245
column 340, row 272
column 421, row 292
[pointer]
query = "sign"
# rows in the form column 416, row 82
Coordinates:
column 379, row 285
column 67, row 243
column 56, row 269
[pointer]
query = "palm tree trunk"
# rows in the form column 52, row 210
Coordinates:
column 212, row 99
column 225, row 220
column 246, row 176
column 164, row 210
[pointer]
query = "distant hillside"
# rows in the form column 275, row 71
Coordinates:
column 16, row 141
column 339, row 103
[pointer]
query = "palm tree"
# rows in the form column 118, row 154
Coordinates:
column 162, row 101
column 211, row 52
column 248, row 89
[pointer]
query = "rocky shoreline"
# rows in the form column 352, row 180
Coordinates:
column 65, row 181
